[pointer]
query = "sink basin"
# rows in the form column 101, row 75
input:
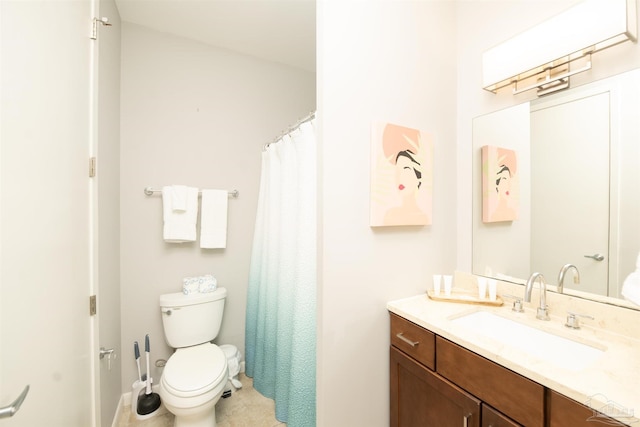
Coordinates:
column 554, row 349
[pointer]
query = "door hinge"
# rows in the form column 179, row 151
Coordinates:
column 93, row 309
column 92, row 167
column 94, row 28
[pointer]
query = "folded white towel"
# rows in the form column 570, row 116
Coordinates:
column 213, row 219
column 179, row 195
column 179, row 225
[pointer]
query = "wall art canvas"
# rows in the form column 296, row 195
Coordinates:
column 401, row 176
column 500, row 184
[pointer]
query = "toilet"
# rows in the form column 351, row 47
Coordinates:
column 196, row 374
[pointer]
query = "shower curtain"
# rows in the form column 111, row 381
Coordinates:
column 280, row 343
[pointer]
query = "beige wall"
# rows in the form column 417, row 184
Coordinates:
column 108, row 213
column 195, row 115
column 378, row 61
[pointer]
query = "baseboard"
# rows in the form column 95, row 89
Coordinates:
column 119, row 411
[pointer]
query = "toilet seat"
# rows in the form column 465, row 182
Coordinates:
column 193, row 371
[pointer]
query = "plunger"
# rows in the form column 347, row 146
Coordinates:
column 149, row 401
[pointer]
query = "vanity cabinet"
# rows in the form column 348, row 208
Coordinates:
column 437, row 383
column 420, row 395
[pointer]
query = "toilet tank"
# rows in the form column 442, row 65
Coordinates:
column 192, row 319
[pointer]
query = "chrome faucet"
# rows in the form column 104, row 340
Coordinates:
column 542, row 312
column 563, row 271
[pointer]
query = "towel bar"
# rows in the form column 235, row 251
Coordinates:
column 150, row 190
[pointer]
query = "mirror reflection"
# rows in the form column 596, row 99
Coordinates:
column 578, row 195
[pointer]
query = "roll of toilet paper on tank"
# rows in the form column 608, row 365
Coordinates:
column 199, row 284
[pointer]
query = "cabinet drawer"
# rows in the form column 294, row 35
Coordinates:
column 414, row 340
column 512, row 394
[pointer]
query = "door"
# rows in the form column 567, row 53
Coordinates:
column 571, row 139
column 44, row 213
column 422, row 398
column 107, row 223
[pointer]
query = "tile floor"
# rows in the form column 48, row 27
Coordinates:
column 245, row 408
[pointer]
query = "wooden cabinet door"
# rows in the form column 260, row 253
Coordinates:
column 493, row 418
column 563, row 412
column 422, row 398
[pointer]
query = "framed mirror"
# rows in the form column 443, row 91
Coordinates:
column 574, row 183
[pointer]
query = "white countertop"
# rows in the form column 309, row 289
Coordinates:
column 610, row 381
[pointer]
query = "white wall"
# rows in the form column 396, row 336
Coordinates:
column 196, row 115
column 378, row 61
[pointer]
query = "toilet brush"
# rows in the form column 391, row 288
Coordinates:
column 138, row 385
column 136, row 351
column 149, row 401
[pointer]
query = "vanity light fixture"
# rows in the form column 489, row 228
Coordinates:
column 545, row 56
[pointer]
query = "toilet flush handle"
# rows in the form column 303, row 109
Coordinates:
column 168, row 311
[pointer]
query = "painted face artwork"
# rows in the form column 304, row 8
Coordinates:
column 503, row 181
column 401, row 176
column 408, row 176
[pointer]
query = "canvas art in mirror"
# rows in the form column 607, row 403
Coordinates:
column 500, row 187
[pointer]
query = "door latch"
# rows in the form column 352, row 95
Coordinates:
column 108, row 353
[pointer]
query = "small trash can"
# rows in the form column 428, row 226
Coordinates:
column 233, row 361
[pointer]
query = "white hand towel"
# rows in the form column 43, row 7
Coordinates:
column 179, row 225
column 179, row 195
column 213, row 219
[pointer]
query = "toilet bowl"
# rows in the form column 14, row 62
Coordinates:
column 192, row 383
column 196, row 374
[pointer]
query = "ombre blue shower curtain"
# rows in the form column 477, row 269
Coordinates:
column 280, row 343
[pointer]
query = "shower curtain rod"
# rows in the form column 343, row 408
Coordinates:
column 300, row 122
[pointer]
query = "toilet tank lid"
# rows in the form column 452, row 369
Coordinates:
column 179, row 299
